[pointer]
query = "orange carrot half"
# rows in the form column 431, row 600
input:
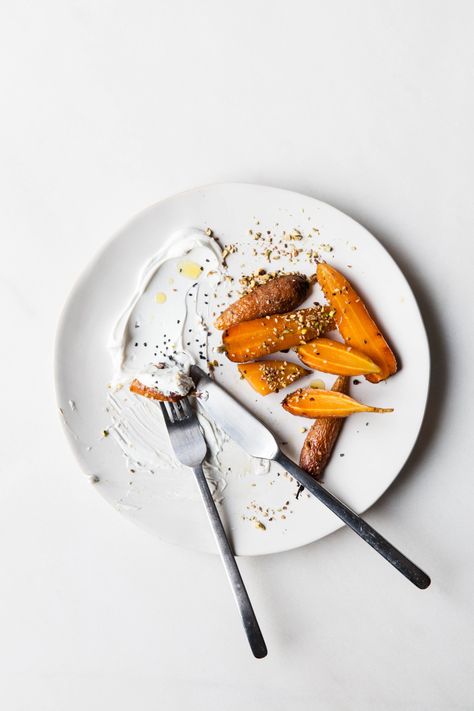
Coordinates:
column 271, row 376
column 330, row 356
column 311, row 403
column 249, row 340
column 354, row 322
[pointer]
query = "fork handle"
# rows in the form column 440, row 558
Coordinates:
column 358, row 525
column 252, row 629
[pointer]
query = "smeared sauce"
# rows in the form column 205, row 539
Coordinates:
column 178, row 330
column 189, row 269
column 318, row 384
column 178, row 246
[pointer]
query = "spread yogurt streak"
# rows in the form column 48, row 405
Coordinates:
column 167, row 378
column 156, row 340
column 178, row 246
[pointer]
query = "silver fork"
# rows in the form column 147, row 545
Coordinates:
column 190, row 449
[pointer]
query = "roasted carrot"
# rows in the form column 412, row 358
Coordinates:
column 331, row 356
column 137, row 387
column 271, row 376
column 307, row 402
column 249, row 340
column 354, row 322
column 276, row 296
column 322, row 436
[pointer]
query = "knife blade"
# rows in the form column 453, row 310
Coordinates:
column 258, row 441
column 236, row 421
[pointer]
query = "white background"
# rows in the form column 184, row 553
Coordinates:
column 107, row 107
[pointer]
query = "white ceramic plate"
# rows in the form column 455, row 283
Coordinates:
column 371, row 450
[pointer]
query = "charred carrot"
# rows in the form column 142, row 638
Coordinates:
column 276, row 296
column 322, row 436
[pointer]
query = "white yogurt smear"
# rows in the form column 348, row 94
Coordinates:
column 181, row 321
column 167, row 378
column 177, row 246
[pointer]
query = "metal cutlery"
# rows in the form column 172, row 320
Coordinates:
column 190, row 449
column 256, row 439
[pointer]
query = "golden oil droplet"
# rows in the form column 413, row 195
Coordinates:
column 160, row 297
column 318, row 385
column 191, row 270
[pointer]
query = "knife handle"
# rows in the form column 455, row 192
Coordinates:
column 358, row 525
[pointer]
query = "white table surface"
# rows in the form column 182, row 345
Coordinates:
column 109, row 106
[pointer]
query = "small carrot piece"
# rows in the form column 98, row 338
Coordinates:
column 354, row 322
column 321, row 438
column 333, row 357
column 307, row 402
column 271, row 376
column 250, row 340
column 137, row 387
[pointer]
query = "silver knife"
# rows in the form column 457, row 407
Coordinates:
column 257, row 440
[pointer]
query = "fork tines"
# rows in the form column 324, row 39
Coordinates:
column 176, row 411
